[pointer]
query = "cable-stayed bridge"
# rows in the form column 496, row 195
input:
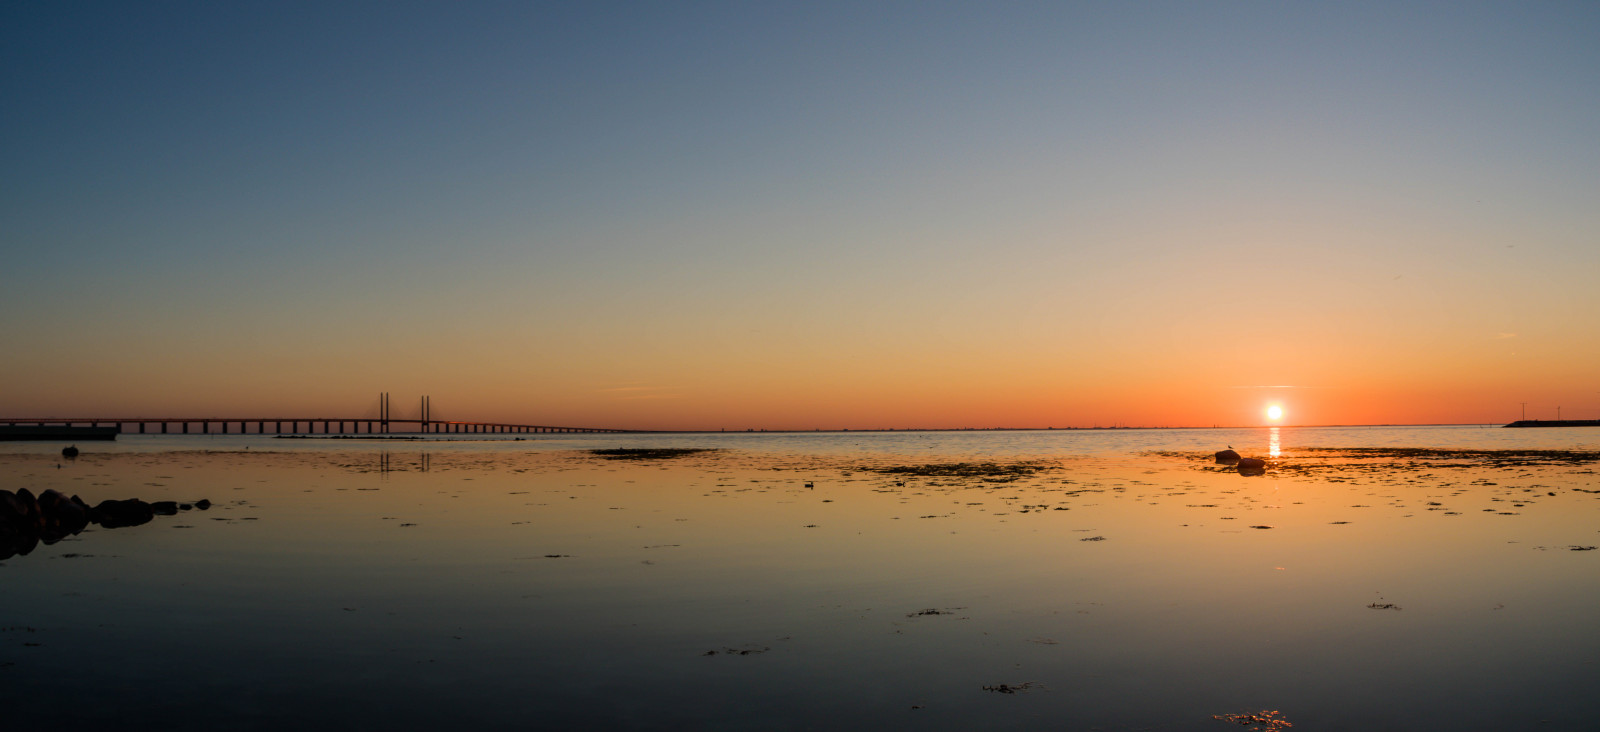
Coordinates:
column 384, row 423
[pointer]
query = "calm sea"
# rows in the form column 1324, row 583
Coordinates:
column 1106, row 580
column 968, row 442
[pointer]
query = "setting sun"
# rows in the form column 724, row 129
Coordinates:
column 1274, row 412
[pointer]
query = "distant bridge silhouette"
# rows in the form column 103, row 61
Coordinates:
column 382, row 424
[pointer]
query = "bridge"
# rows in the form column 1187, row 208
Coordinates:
column 384, row 423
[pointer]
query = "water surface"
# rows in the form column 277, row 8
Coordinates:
column 1105, row 580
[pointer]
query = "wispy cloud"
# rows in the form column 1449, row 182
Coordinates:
column 1274, row 386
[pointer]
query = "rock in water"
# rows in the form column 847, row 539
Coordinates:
column 70, row 451
column 116, row 514
column 1252, row 466
column 1227, row 457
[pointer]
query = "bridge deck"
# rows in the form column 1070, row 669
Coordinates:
column 299, row 425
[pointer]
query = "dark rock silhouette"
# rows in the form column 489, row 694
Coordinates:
column 117, row 514
column 1227, row 457
column 27, row 520
column 69, row 452
column 1252, row 466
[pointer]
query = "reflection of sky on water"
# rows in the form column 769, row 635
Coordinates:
column 1249, row 441
column 1274, row 446
column 357, row 588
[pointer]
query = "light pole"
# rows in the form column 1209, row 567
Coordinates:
column 1524, row 411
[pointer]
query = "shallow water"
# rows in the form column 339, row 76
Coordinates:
column 501, row 584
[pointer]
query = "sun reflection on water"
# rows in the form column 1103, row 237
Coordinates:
column 1273, row 445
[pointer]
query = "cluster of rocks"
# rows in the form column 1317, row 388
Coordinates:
column 27, row 520
column 1245, row 466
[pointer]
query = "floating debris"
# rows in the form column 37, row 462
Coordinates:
column 1492, row 457
column 648, row 453
column 1262, row 721
column 1013, row 688
column 1000, row 472
column 750, row 651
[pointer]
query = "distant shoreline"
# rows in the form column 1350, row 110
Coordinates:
column 1555, row 423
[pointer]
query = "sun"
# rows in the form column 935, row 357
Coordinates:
column 1274, row 412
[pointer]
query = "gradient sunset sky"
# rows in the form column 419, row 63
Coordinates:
column 691, row 215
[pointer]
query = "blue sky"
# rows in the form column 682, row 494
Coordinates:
column 693, row 198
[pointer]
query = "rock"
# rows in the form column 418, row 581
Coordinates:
column 1227, row 457
column 69, row 452
column 12, row 508
column 51, row 499
column 1252, row 466
column 62, row 516
column 26, row 521
column 116, row 514
column 15, row 543
column 27, row 509
column 202, row 504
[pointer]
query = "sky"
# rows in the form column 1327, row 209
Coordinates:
column 810, row 215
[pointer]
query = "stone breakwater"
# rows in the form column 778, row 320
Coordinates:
column 27, row 520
